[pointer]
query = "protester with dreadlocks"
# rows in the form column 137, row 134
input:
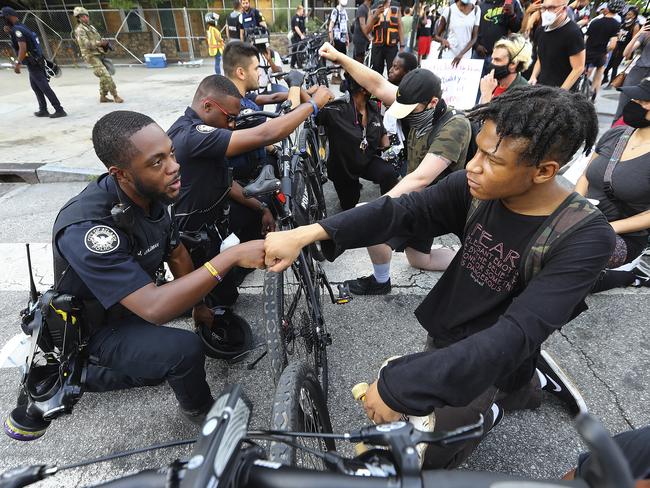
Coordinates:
column 531, row 251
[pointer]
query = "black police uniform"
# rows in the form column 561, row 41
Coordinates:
column 35, row 66
column 296, row 21
column 101, row 262
column 203, row 208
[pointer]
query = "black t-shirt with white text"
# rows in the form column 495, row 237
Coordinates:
column 554, row 48
column 487, row 325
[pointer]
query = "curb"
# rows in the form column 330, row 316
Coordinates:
column 54, row 173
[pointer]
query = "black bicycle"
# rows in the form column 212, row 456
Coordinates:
column 226, row 455
column 293, row 299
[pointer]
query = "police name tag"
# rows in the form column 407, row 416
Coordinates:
column 101, row 239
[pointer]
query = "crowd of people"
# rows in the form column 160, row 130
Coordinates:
column 531, row 250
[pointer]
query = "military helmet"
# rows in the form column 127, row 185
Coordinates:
column 211, row 17
column 80, row 11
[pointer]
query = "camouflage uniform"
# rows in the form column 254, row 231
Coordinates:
column 451, row 142
column 89, row 41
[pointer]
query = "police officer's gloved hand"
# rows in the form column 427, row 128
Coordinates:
column 294, row 78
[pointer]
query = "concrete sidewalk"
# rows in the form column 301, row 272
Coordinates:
column 62, row 148
column 47, row 150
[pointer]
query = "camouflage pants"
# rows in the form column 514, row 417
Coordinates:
column 106, row 83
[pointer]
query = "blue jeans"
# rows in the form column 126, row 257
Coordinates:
column 217, row 64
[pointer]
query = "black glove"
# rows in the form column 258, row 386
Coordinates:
column 294, row 78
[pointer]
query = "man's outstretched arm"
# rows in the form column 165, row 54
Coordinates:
column 372, row 81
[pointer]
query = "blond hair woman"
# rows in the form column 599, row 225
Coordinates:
column 510, row 57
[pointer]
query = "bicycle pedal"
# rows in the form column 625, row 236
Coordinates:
column 344, row 295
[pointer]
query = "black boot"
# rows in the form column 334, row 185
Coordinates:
column 42, row 112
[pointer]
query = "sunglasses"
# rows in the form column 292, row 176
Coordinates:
column 229, row 117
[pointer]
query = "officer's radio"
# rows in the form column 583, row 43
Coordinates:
column 120, row 213
column 55, row 368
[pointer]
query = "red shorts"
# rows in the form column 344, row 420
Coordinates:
column 424, row 44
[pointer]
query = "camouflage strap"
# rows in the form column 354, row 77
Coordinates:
column 471, row 213
column 574, row 212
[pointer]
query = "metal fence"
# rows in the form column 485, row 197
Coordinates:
column 177, row 32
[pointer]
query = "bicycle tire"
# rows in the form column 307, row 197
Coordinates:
column 299, row 390
column 289, row 325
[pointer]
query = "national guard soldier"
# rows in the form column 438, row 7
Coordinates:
column 93, row 48
column 108, row 243
column 28, row 52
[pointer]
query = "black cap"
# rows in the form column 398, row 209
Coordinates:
column 418, row 86
column 638, row 92
column 8, row 12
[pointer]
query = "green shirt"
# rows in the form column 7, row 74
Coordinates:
column 451, row 143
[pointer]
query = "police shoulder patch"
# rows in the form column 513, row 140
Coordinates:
column 205, row 129
column 18, row 33
column 101, row 239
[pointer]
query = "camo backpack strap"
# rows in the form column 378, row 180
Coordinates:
column 573, row 213
column 471, row 212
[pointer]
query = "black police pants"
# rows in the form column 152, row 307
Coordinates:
column 41, row 87
column 247, row 225
column 136, row 353
column 295, row 62
column 382, row 55
column 348, row 188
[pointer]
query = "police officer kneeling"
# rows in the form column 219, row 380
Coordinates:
column 108, row 243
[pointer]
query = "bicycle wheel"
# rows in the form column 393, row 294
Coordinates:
column 299, row 406
column 289, row 324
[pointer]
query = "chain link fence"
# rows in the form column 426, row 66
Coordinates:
column 179, row 33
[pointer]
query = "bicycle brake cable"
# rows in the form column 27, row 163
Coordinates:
column 118, row 455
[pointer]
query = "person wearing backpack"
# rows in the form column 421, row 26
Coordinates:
column 618, row 177
column 437, row 142
column 338, row 31
column 457, row 30
column 531, row 251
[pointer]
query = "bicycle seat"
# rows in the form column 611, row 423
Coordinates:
column 265, row 184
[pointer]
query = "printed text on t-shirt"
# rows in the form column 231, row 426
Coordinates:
column 489, row 262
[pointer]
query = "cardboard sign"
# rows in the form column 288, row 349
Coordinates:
column 460, row 84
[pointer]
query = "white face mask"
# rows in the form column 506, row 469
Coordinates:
column 548, row 18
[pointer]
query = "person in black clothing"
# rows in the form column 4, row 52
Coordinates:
column 203, row 138
column 298, row 31
column 361, row 32
column 626, row 200
column 357, row 130
column 628, row 30
column 112, row 262
column 498, row 19
column 28, row 52
column 249, row 19
column 601, row 38
column 485, row 320
column 560, row 48
column 233, row 22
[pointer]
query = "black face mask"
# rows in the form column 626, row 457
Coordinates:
column 634, row 115
column 500, row 72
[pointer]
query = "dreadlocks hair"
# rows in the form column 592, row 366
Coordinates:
column 216, row 86
column 556, row 122
column 112, row 137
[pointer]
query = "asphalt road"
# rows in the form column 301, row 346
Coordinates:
column 606, row 350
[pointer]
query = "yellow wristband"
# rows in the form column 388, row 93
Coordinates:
column 213, row 271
